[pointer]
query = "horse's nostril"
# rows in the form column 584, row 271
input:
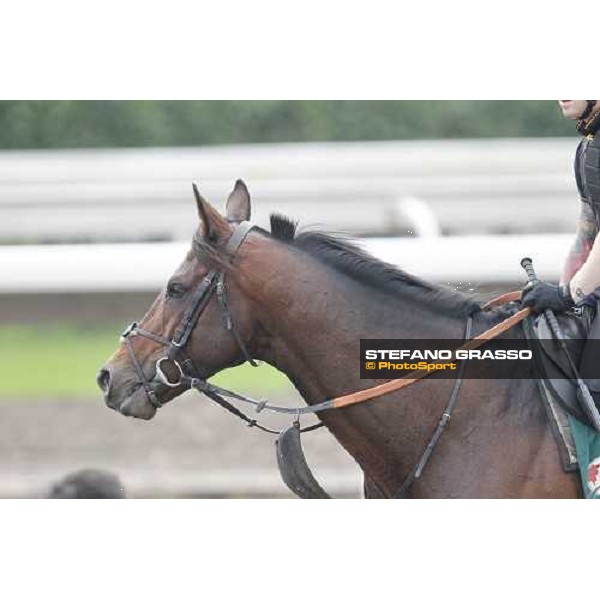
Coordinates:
column 103, row 380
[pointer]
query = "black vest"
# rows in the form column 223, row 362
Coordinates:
column 587, row 172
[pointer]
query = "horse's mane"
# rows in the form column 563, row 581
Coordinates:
column 346, row 257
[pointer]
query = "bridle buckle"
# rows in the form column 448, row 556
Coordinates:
column 129, row 330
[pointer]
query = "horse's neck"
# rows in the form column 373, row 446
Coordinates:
column 313, row 326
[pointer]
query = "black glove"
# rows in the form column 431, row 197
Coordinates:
column 541, row 295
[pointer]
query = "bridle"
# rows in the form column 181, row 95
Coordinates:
column 213, row 281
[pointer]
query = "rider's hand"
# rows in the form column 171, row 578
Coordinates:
column 541, row 295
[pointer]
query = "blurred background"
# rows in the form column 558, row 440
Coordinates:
column 96, row 211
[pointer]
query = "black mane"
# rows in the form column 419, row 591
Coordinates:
column 346, row 257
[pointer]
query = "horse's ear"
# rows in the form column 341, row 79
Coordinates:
column 204, row 213
column 237, row 207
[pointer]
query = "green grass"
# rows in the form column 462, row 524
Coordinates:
column 62, row 361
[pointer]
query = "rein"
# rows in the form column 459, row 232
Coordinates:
column 213, row 282
column 373, row 392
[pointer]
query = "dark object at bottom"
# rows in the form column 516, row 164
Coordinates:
column 88, row 484
column 293, row 467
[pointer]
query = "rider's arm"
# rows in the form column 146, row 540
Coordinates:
column 584, row 239
column 582, row 267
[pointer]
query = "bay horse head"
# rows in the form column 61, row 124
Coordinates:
column 166, row 349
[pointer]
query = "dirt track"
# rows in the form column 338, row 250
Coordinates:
column 192, row 448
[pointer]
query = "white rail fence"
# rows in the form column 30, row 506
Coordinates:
column 392, row 188
column 465, row 260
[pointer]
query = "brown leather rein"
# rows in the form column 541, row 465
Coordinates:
column 216, row 392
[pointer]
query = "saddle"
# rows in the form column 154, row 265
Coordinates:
column 551, row 363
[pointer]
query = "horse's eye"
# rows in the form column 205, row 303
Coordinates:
column 176, row 290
